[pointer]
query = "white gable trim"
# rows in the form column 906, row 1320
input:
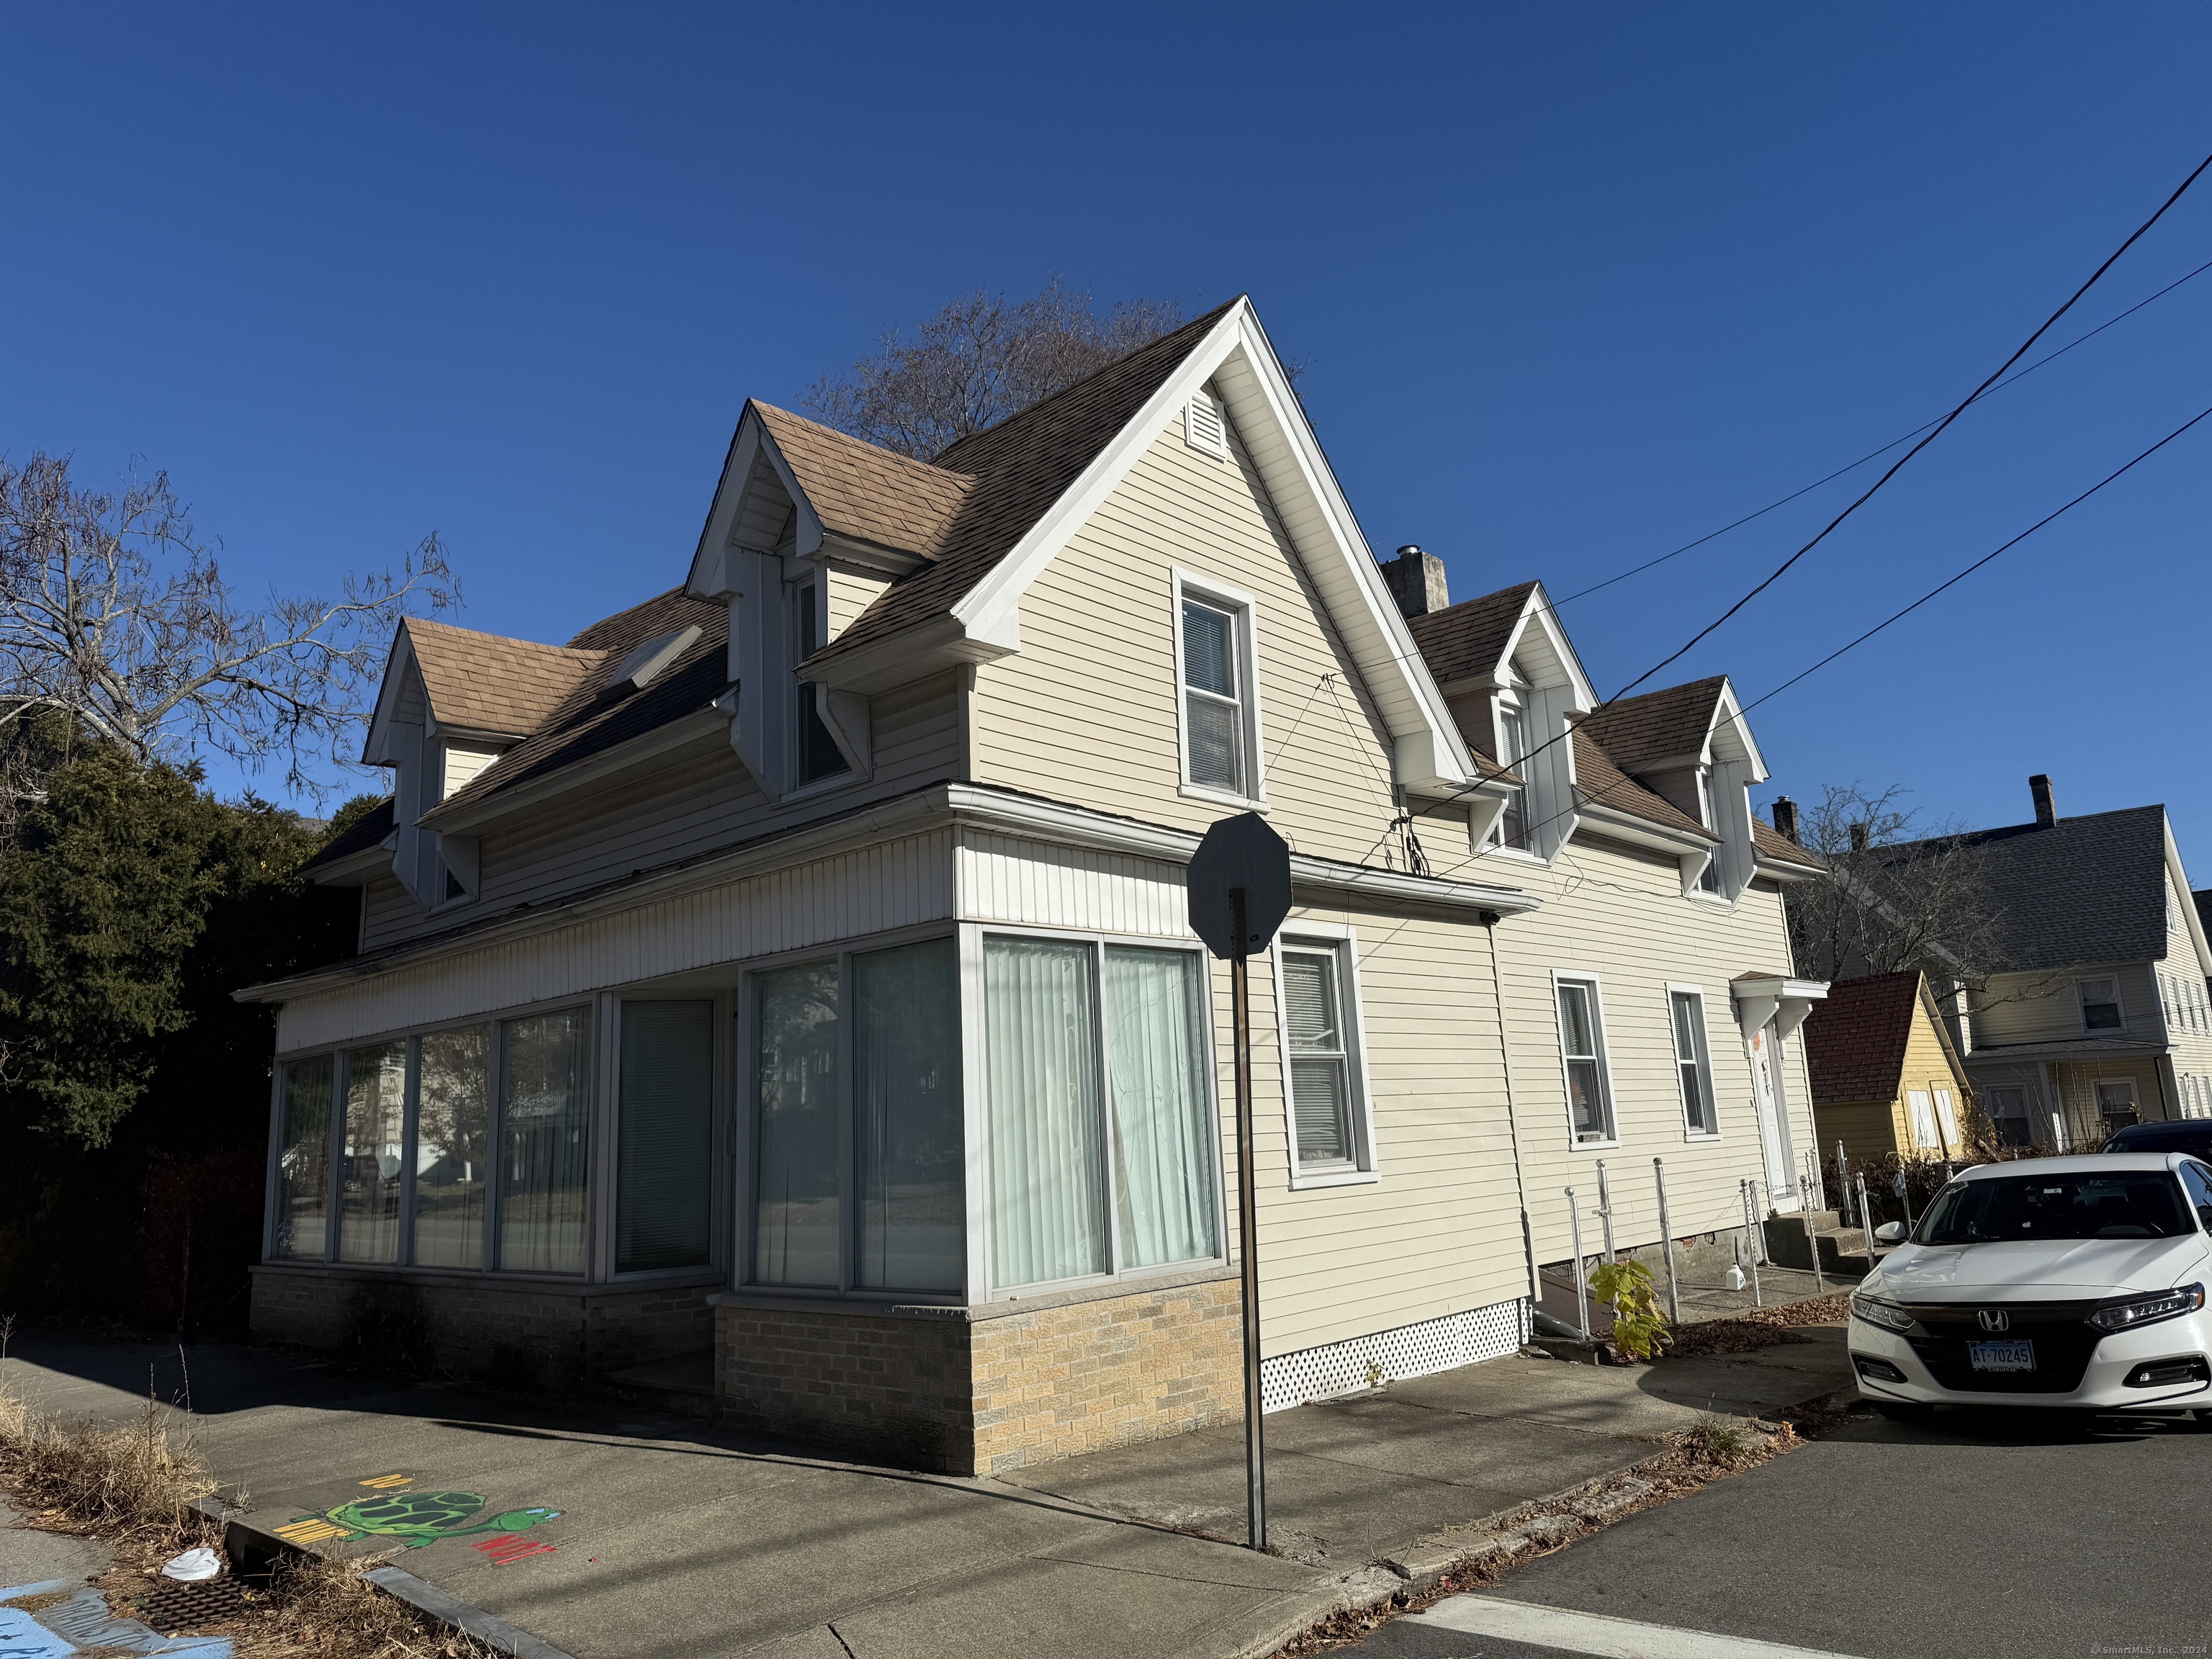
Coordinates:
column 376, row 748
column 1728, row 716
column 712, row 576
column 1536, row 612
column 1428, row 751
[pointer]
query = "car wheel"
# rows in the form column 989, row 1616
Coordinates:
column 1904, row 1411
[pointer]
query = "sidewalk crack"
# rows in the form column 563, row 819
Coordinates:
column 841, row 1641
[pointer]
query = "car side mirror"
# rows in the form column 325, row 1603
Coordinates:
column 1890, row 1232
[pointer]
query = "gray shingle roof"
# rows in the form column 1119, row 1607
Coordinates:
column 2085, row 889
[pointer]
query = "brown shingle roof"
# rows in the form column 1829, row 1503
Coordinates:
column 1659, row 725
column 488, row 682
column 1018, row 469
column 869, row 494
column 1467, row 639
column 1855, row 1038
column 366, row 832
column 1602, row 781
column 1770, row 843
column 591, row 719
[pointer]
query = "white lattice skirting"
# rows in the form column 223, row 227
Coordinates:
column 1434, row 1345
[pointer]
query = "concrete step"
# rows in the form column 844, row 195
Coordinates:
column 1791, row 1240
column 681, row 1387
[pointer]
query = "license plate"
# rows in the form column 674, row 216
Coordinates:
column 2000, row 1356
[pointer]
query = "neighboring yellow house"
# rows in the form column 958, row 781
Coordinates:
column 1885, row 1075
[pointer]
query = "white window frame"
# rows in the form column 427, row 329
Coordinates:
column 1704, row 1060
column 1341, row 940
column 1595, row 984
column 2082, row 1002
column 1188, row 584
column 975, row 1083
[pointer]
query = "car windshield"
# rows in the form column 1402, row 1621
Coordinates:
column 2130, row 1204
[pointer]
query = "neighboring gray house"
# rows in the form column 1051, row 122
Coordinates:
column 2095, row 1011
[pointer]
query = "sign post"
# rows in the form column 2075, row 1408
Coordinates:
column 1239, row 889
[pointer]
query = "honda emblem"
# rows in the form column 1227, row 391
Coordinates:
column 1995, row 1319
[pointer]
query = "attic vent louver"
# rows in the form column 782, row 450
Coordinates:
column 1203, row 428
column 646, row 663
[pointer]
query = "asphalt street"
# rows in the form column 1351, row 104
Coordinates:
column 1980, row 1533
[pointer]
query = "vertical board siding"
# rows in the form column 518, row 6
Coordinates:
column 1086, row 710
column 1034, row 884
column 1619, row 913
column 870, row 890
column 686, row 805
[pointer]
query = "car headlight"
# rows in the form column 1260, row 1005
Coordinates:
column 1886, row 1314
column 2149, row 1310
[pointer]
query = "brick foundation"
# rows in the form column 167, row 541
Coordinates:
column 539, row 1338
column 975, row 1391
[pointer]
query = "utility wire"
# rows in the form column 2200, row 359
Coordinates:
column 2010, row 379
column 1937, row 431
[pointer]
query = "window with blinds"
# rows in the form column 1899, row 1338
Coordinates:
column 1581, row 1046
column 1320, row 1059
column 1692, row 1062
column 664, row 1162
column 1213, row 694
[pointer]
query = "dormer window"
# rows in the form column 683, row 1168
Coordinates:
column 1512, row 749
column 1709, row 879
column 818, row 755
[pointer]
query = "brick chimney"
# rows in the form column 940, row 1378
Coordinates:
column 1416, row 582
column 1785, row 818
column 2046, row 814
column 1860, row 834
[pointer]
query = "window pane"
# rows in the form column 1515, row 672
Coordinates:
column 1310, row 1004
column 1321, row 1105
column 303, row 1160
column 1586, row 1099
column 1209, row 649
column 1575, row 1028
column 1047, row 1198
column 664, row 1146
column 906, row 1100
column 545, row 1100
column 1217, row 742
column 376, row 1134
column 452, row 1148
column 795, row 1218
column 1163, row 1135
column 1693, row 1098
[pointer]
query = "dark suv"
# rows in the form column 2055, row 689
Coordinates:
column 2193, row 1136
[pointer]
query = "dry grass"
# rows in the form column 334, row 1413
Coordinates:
column 132, row 1486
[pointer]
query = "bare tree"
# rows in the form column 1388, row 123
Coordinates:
column 1894, row 893
column 113, row 612
column 979, row 360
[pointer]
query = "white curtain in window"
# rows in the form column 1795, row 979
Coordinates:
column 303, row 1163
column 906, row 1098
column 452, row 1156
column 663, row 1146
column 1163, row 1138
column 1048, row 1201
column 545, row 1105
column 375, row 1136
column 795, row 1210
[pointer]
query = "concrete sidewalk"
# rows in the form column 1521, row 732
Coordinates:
column 615, row 1534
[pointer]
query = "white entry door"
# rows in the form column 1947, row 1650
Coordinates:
column 1773, row 1118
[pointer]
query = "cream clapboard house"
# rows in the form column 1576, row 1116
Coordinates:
column 795, row 966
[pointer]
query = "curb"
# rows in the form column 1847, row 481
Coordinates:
column 253, row 1549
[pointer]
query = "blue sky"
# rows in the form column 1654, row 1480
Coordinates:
column 1572, row 285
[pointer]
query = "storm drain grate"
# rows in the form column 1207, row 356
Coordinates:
column 178, row 1606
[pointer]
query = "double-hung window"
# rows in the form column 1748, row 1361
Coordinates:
column 1693, row 1065
column 857, row 1147
column 1216, row 669
column 2101, row 1003
column 1512, row 750
column 1581, row 1050
column 1327, row 1089
column 1100, row 1114
column 816, row 752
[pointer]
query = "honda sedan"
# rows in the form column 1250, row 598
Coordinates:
column 2069, row 1282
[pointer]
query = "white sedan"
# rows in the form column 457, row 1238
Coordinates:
column 2069, row 1282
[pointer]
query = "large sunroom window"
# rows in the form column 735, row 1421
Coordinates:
column 452, row 1140
column 664, row 1136
column 545, row 1129
column 303, row 1195
column 375, row 1136
column 860, row 1052
column 1101, row 1123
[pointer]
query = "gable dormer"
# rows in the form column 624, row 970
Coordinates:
column 1690, row 745
column 1513, row 683
column 453, row 701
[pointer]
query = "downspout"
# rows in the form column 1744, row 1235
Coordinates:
column 1513, row 1120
